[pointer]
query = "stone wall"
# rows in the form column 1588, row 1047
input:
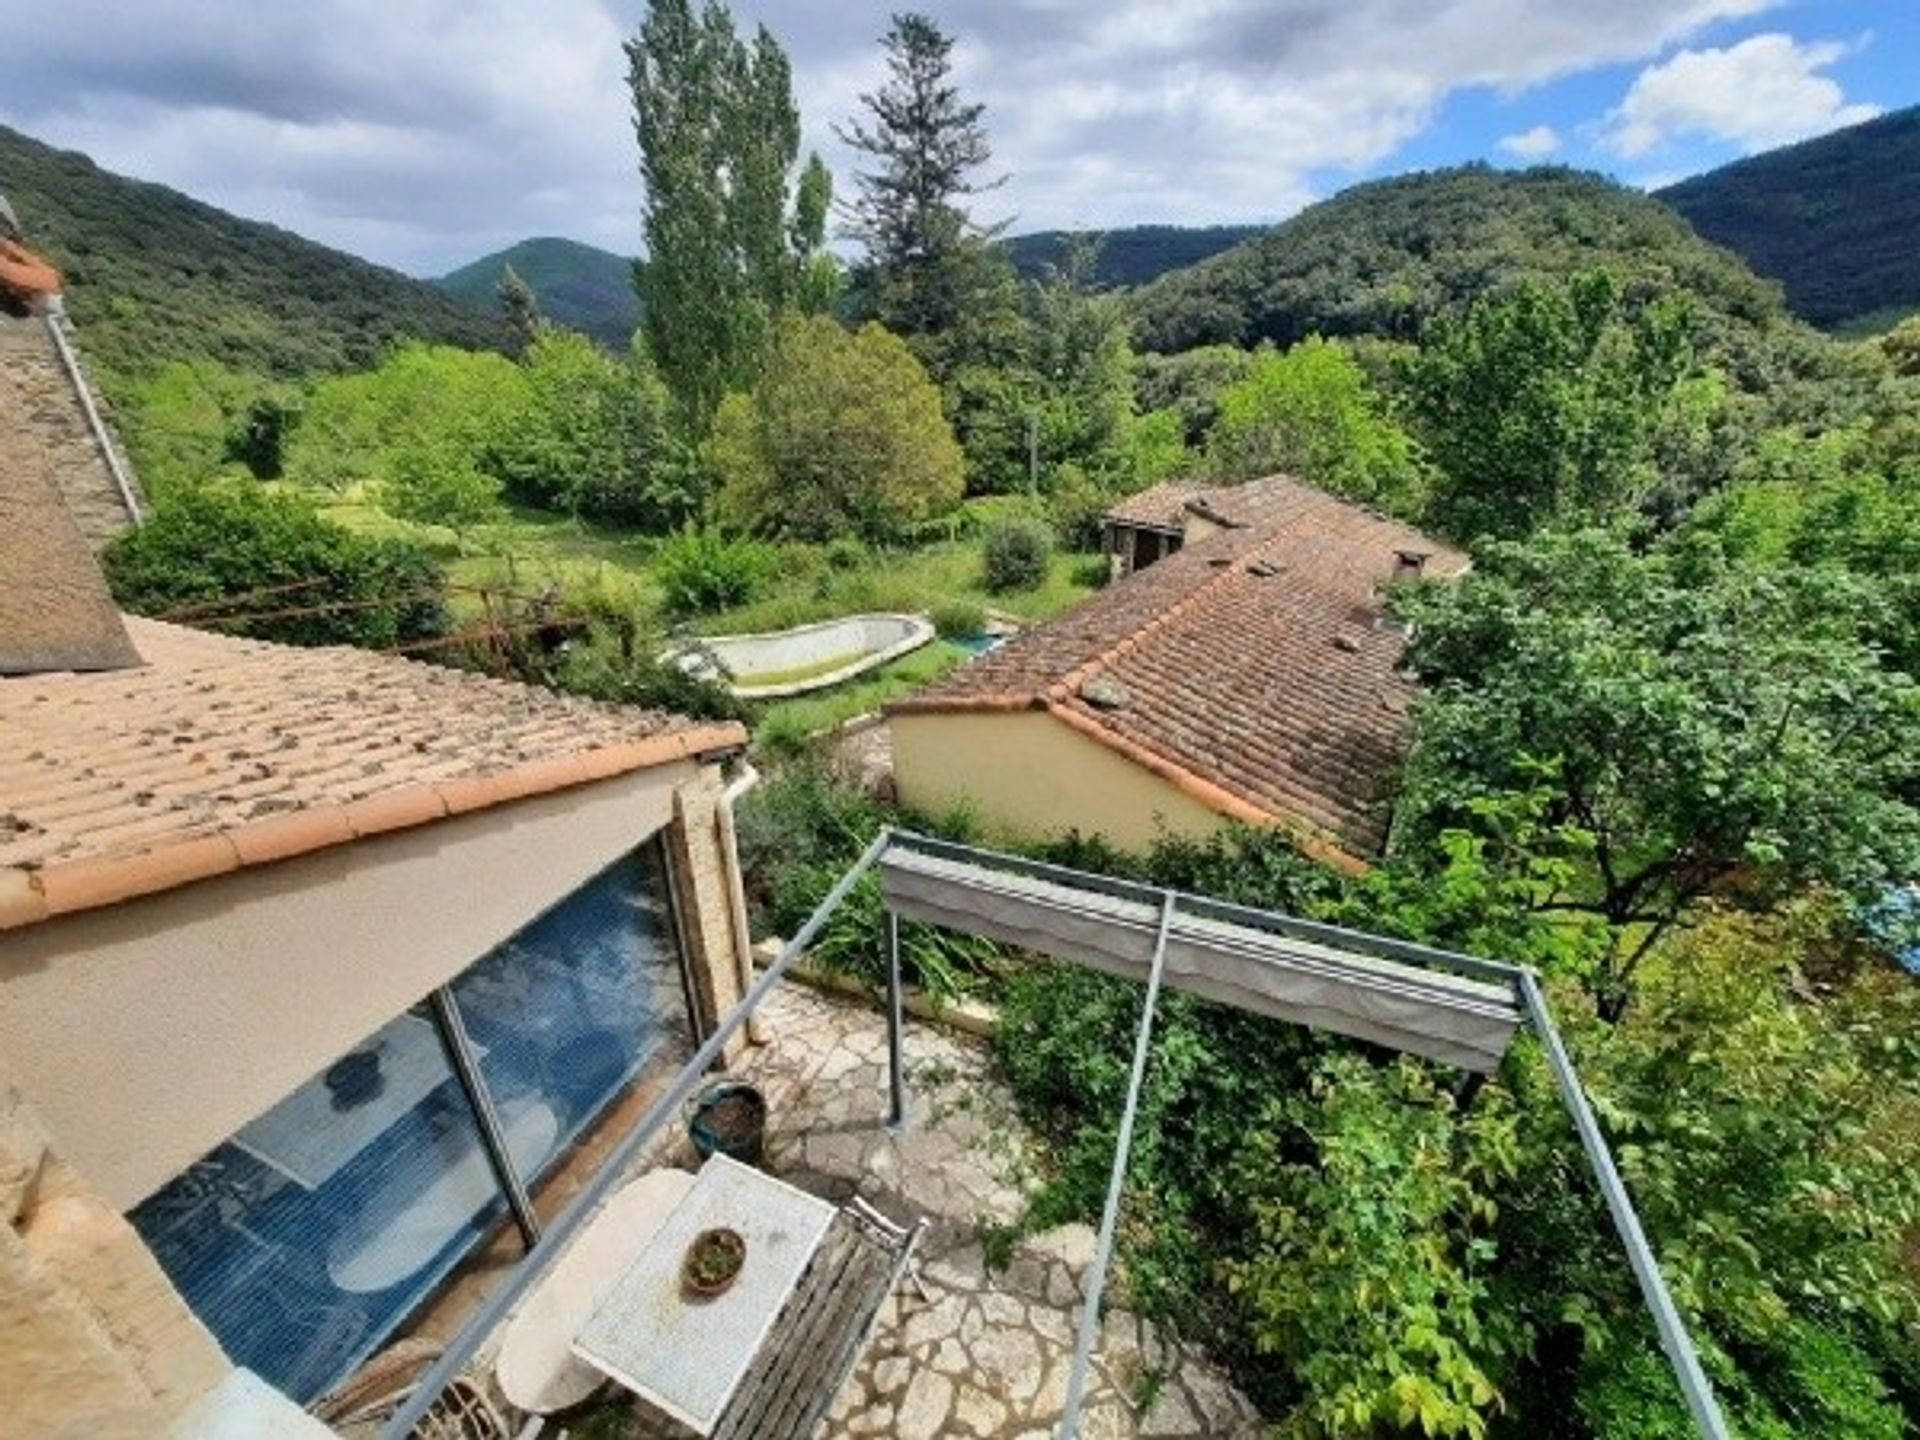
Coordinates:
column 703, row 877
column 47, row 411
column 95, row 1343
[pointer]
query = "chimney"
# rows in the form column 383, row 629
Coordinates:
column 1410, row 564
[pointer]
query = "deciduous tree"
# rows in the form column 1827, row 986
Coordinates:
column 843, row 435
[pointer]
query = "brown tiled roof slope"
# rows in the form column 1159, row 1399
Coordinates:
column 220, row 753
column 1168, row 505
column 1250, row 668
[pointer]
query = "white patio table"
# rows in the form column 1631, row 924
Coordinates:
column 687, row 1355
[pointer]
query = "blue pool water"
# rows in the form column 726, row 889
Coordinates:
column 980, row 644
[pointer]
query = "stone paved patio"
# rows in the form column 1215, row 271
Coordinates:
column 984, row 1353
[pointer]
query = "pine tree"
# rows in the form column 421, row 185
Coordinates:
column 522, row 307
column 921, row 241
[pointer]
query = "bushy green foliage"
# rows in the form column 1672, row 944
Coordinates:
column 622, row 664
column 1015, row 554
column 701, row 570
column 594, row 437
column 423, row 405
column 189, row 420
column 1310, row 412
column 1829, row 218
column 1543, row 406
column 1372, row 1259
column 1189, row 383
column 843, row 435
column 1696, row 723
column 798, row 831
column 958, row 619
column 1390, row 256
column 153, row 276
column 234, row 549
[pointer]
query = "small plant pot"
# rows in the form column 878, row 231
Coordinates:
column 712, row 1262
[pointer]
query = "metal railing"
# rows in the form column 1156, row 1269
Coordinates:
column 1674, row 1339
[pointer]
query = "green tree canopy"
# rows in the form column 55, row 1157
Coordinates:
column 843, row 435
column 1543, row 406
column 1700, row 730
column 911, row 215
column 732, row 236
column 1311, row 412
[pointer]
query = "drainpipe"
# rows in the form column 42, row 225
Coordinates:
column 71, row 364
column 748, row 777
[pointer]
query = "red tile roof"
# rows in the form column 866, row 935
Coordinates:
column 220, row 753
column 1170, row 504
column 1251, row 668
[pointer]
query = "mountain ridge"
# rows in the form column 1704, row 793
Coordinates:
column 154, row 275
column 1835, row 219
column 576, row 284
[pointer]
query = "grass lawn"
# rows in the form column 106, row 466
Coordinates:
column 531, row 550
column 783, row 722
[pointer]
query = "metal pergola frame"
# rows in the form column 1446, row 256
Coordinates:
column 1524, row 983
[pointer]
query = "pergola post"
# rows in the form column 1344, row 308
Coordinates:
column 896, row 1063
column 1117, row 1182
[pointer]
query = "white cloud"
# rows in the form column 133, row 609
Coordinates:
column 425, row 134
column 1764, row 91
column 1534, row 144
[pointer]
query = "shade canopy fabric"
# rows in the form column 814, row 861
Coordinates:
column 1443, row 1017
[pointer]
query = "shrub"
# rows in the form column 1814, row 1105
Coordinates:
column 956, row 619
column 1015, row 554
column 703, row 570
column 629, row 670
column 238, row 549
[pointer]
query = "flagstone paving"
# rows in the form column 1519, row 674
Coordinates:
column 975, row 1351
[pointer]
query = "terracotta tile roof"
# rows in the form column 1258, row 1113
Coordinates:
column 1250, row 668
column 1161, row 507
column 1169, row 505
column 220, row 752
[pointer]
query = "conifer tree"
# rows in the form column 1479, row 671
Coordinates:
column 522, row 307
column 922, row 243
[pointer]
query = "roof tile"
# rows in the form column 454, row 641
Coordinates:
column 220, row 752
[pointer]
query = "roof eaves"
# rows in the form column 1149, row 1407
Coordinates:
column 28, row 895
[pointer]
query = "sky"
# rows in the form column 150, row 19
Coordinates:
column 425, row 133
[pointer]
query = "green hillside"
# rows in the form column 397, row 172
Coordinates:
column 1131, row 256
column 154, row 276
column 1384, row 257
column 1835, row 220
column 580, row 286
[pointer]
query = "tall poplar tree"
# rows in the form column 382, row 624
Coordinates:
column 726, row 245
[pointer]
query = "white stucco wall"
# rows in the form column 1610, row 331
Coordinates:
column 1027, row 774
column 147, row 1032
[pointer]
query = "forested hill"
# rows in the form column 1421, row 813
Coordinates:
column 579, row 286
column 1836, row 220
column 1384, row 257
column 1131, row 256
column 153, row 275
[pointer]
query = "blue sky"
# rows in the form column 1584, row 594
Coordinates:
column 424, row 133
column 1877, row 65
